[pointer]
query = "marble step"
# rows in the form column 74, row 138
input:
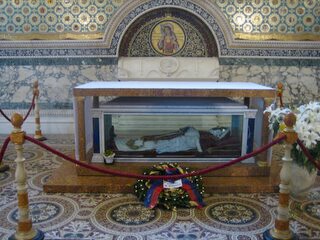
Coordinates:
column 66, row 179
column 237, row 170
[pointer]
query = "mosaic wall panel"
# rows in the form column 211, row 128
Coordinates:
column 302, row 84
column 168, row 32
column 55, row 16
column 210, row 14
column 273, row 16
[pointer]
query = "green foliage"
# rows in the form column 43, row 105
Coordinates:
column 275, row 127
column 108, row 152
column 301, row 159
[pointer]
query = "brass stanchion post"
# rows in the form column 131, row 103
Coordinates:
column 280, row 93
column 38, row 135
column 281, row 230
column 24, row 231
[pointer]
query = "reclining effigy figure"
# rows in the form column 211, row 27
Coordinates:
column 185, row 139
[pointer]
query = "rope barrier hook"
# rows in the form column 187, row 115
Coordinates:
column 24, row 230
column 281, row 230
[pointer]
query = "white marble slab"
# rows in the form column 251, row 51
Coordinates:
column 173, row 85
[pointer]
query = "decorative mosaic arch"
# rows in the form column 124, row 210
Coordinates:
column 123, row 19
column 206, row 10
column 186, row 35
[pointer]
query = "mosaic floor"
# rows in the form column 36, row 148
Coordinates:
column 118, row 216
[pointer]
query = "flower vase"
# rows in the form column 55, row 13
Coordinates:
column 301, row 181
column 109, row 159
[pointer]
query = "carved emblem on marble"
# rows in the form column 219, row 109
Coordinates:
column 166, row 68
column 168, row 65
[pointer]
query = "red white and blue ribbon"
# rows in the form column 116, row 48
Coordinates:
column 153, row 193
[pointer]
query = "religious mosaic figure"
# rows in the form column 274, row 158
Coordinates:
column 168, row 42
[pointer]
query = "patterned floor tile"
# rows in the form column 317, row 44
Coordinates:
column 308, row 211
column 123, row 217
column 47, row 212
column 127, row 215
column 31, row 153
column 234, row 215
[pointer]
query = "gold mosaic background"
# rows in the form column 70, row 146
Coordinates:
column 56, row 16
column 89, row 18
column 273, row 16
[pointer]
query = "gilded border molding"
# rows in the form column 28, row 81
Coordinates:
column 277, row 36
column 51, row 36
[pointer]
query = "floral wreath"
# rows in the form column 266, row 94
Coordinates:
column 184, row 193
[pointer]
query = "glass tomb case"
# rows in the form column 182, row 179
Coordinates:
column 145, row 129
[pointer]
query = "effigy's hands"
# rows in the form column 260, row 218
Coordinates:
column 165, row 136
column 131, row 143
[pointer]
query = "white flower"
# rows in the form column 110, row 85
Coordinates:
column 276, row 114
column 270, row 108
column 307, row 134
column 307, row 125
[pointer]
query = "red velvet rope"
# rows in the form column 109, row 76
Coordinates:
column 27, row 115
column 307, row 153
column 152, row 177
column 31, row 106
column 4, row 148
column 4, row 115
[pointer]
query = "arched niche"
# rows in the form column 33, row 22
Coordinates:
column 168, row 32
column 168, row 43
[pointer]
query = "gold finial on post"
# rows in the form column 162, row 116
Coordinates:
column 16, row 120
column 281, row 230
column 290, row 120
column 17, row 135
column 280, row 85
column 24, row 230
column 38, row 134
column 280, row 93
